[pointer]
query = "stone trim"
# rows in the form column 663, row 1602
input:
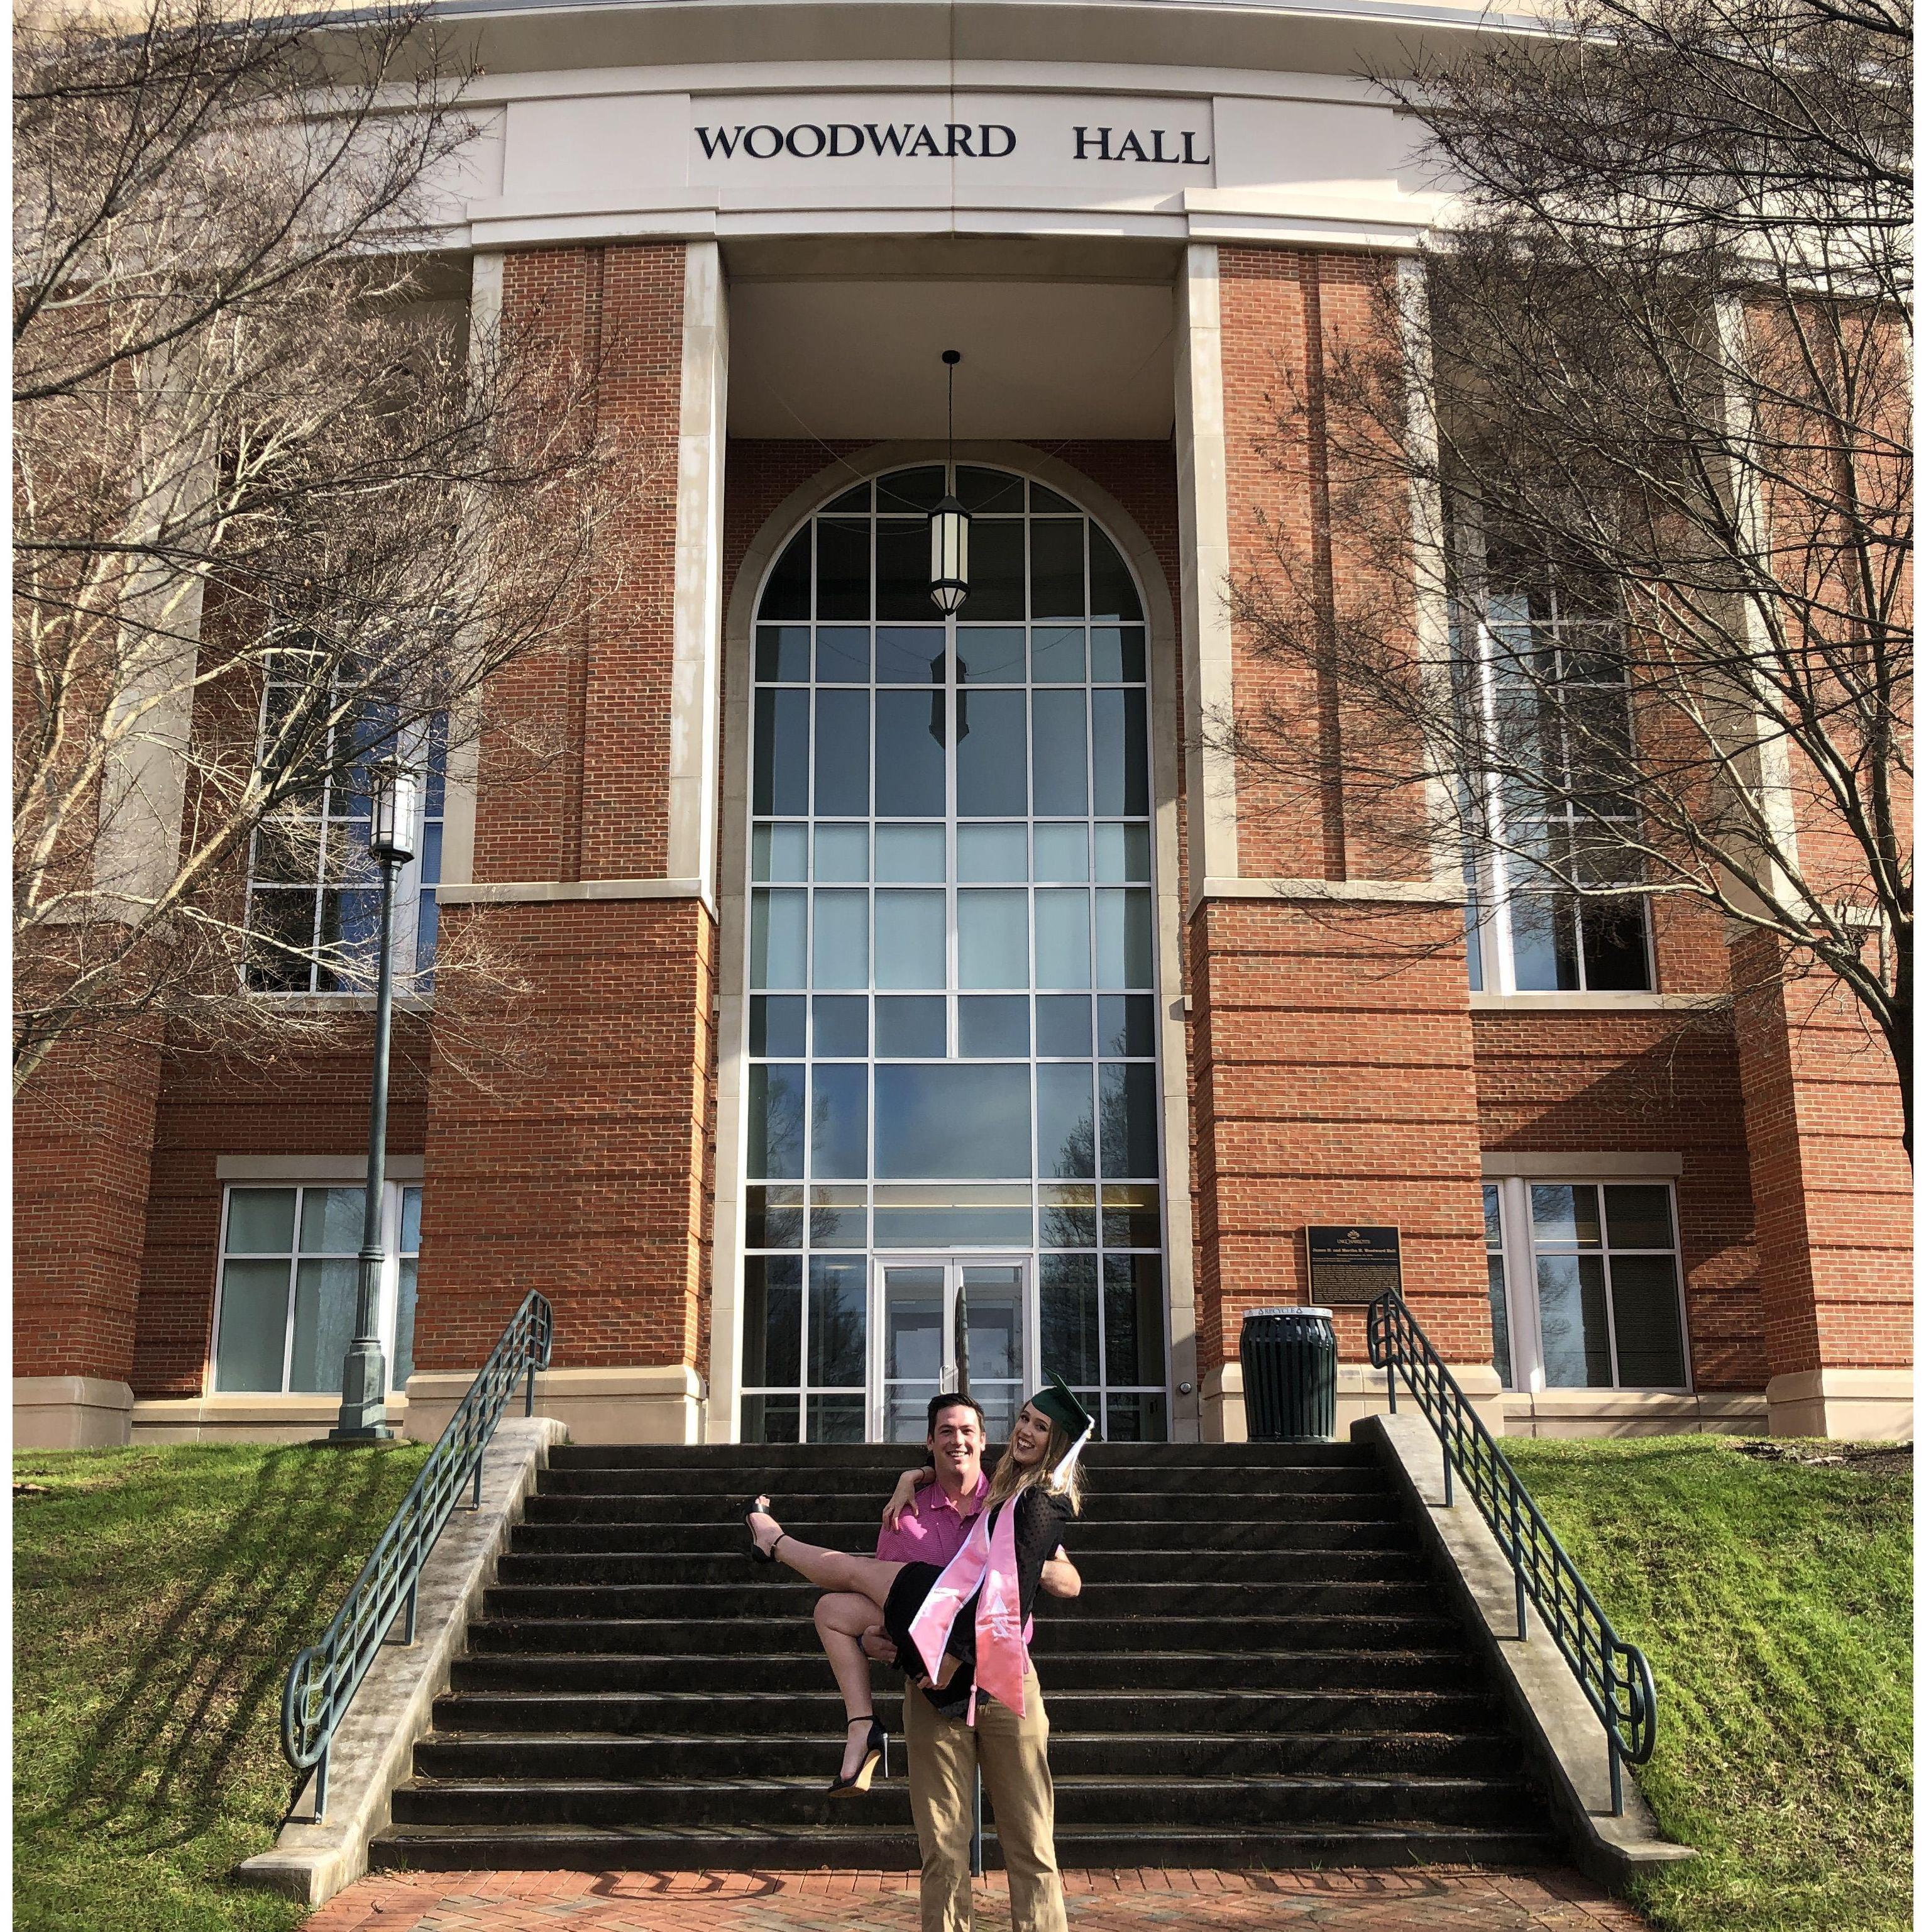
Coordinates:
column 1503, row 1165
column 313, row 1168
column 373, row 1747
column 1360, row 1391
column 1846, row 1405
column 640, row 1404
column 244, row 1418
column 69, row 1412
column 1346, row 891
column 551, row 892
column 1573, row 1412
column 1595, row 1003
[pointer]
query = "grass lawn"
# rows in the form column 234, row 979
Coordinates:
column 159, row 1595
column 1774, row 1601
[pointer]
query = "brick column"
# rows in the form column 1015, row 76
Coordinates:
column 1833, row 1193
column 83, row 1145
column 1332, row 1061
column 577, row 1163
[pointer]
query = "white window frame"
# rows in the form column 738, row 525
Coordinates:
column 949, row 823
column 1520, row 1285
column 412, row 880
column 1492, row 952
column 394, row 1255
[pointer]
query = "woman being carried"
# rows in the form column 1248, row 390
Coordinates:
column 959, row 1630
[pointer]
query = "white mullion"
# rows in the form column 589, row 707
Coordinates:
column 1495, row 929
column 1523, row 1302
column 1608, row 1295
column 288, row 1310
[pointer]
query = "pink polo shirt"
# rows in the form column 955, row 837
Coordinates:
column 932, row 1531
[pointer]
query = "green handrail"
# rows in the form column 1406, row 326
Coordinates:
column 1614, row 1675
column 324, row 1678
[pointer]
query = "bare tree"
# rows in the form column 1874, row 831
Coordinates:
column 280, row 509
column 1619, row 494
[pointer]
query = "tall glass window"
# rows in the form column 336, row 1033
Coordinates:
column 950, row 947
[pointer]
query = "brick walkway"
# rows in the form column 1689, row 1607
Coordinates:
column 1434, row 1900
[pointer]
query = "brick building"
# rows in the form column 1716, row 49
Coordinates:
column 878, row 960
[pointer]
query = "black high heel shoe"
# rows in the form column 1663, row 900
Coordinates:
column 760, row 1505
column 873, row 1760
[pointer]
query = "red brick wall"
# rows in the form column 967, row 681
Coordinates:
column 575, row 1161
column 312, row 1102
column 1331, row 1061
column 1832, row 1185
column 1651, row 1082
column 82, row 1130
column 578, row 1171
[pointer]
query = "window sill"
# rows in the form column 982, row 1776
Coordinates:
column 345, row 1002
column 1594, row 1003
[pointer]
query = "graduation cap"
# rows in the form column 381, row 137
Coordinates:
column 1060, row 1404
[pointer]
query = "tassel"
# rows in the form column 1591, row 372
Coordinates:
column 1057, row 1482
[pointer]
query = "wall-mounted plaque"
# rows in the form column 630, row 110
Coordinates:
column 1353, row 1264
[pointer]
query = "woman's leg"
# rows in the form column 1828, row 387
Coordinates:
column 829, row 1569
column 843, row 1618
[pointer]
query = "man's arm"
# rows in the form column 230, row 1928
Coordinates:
column 1057, row 1576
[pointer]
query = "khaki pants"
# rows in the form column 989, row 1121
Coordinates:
column 941, row 1753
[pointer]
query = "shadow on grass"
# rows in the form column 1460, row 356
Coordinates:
column 206, row 1682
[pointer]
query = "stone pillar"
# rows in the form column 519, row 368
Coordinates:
column 1333, row 1061
column 1832, row 1194
column 83, row 1145
column 577, row 1163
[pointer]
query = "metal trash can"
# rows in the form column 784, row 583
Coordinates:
column 1287, row 1374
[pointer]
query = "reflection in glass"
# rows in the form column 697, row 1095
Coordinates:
column 1638, row 1217
column 1059, row 655
column 774, row 1217
column 991, row 653
column 1128, row 1144
column 780, row 745
column 998, row 573
column 1119, row 753
column 1126, row 1026
column 1129, row 1214
column 844, row 568
column 1574, row 1322
column 261, row 1220
column 1066, row 1121
column 911, row 755
column 1066, row 1217
column 1119, row 656
column 953, row 1216
column 774, row 1135
column 1136, row 1418
column 844, row 654
column 837, row 1217
column 1565, row 1215
column 769, row 1418
column 1135, row 1346
column 1125, row 934
column 837, row 1321
column 904, row 568
column 838, row 1122
column 773, row 1285
column 254, row 1321
column 787, row 590
column 954, row 1121
column 1069, row 1318
column 1059, row 852
column 907, row 655
column 835, row 1418
column 1059, row 569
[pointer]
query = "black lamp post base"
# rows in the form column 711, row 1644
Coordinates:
column 376, row 1432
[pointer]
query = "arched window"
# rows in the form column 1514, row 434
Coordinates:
column 953, row 1145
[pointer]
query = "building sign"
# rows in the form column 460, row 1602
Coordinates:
column 1354, row 1265
column 1128, row 147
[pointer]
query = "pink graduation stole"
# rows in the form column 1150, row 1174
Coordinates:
column 989, row 1564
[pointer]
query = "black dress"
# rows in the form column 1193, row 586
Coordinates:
column 1038, row 1525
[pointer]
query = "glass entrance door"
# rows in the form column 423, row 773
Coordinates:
column 925, row 1308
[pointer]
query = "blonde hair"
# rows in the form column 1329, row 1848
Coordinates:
column 1011, row 1477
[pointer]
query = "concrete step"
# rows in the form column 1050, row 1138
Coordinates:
column 839, row 1846
column 703, row 1480
column 1153, row 1802
column 487, row 1672
column 544, row 1535
column 686, row 1571
column 817, row 1712
column 1157, row 1754
column 808, row 1510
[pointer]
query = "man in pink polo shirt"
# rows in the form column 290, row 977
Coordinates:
column 942, row 1750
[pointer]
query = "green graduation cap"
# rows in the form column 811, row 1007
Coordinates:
column 1060, row 1403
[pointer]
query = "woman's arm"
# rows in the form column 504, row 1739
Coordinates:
column 910, row 1482
column 1057, row 1576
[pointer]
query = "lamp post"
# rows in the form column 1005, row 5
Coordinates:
column 395, row 801
column 951, row 527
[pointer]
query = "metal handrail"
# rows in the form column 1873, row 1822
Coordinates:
column 1614, row 1675
column 325, row 1677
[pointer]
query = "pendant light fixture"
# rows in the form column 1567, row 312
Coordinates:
column 951, row 527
